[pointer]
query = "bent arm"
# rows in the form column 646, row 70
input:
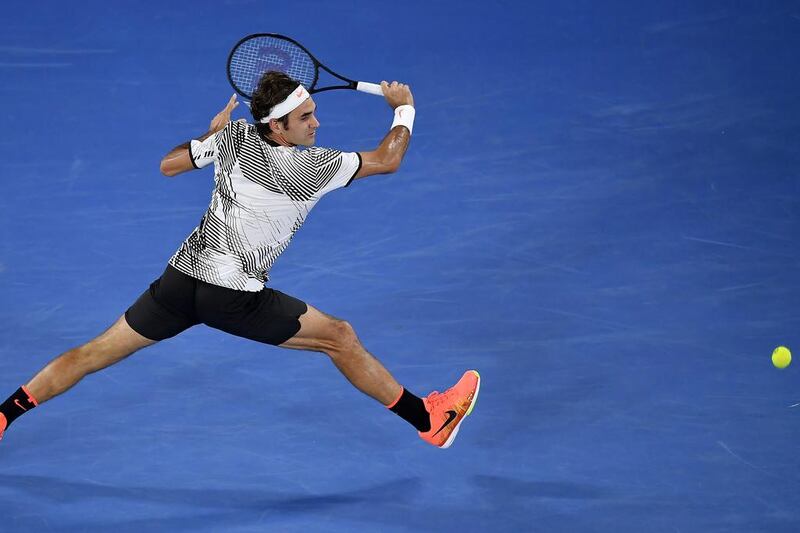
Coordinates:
column 179, row 159
column 388, row 156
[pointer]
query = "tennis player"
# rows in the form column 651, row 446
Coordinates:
column 267, row 178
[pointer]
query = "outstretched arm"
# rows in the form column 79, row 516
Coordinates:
column 387, row 157
column 179, row 160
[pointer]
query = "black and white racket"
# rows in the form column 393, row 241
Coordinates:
column 256, row 54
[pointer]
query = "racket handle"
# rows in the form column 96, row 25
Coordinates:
column 371, row 88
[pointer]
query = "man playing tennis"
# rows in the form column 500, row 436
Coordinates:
column 265, row 186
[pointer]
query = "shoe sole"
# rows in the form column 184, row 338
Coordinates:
column 452, row 436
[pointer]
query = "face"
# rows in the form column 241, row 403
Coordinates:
column 302, row 126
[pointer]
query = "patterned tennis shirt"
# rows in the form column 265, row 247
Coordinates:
column 262, row 195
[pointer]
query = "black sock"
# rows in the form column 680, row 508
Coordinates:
column 17, row 404
column 412, row 410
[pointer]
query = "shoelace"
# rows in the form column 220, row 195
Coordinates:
column 435, row 398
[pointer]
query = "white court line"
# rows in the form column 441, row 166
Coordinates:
column 725, row 447
column 734, row 245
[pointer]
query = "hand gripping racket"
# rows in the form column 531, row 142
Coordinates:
column 256, row 54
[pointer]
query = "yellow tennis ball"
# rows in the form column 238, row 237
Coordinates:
column 781, row 357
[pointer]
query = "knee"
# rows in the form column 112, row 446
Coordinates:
column 343, row 338
column 81, row 357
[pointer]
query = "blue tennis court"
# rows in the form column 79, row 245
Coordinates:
column 599, row 211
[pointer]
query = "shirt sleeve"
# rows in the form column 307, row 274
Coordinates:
column 221, row 146
column 203, row 153
column 333, row 169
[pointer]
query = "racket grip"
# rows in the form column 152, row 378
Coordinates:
column 371, row 88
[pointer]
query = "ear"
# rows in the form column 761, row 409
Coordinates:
column 275, row 126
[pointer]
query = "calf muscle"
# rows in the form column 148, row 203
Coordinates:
column 63, row 372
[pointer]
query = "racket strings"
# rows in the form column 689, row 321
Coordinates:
column 255, row 56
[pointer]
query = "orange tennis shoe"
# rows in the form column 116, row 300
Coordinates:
column 448, row 409
column 3, row 425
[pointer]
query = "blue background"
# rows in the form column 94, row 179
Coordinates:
column 599, row 211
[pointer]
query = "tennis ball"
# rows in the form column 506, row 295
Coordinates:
column 781, row 357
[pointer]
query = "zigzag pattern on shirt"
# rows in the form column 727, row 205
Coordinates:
column 228, row 142
column 261, row 198
column 189, row 259
column 255, row 165
column 302, row 174
column 276, row 252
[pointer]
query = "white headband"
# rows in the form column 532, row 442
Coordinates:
column 292, row 102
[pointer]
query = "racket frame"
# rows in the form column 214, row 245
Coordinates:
column 351, row 84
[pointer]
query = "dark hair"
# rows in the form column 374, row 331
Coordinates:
column 273, row 88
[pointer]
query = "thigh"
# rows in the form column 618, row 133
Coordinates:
column 111, row 346
column 118, row 341
column 267, row 316
column 317, row 331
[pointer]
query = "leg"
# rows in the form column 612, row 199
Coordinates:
column 114, row 345
column 161, row 312
column 336, row 338
column 437, row 418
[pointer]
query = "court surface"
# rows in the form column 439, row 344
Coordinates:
column 599, row 211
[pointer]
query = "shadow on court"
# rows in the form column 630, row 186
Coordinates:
column 241, row 506
column 62, row 491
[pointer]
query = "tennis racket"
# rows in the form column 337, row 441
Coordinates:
column 256, row 54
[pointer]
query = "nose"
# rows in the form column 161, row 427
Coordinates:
column 314, row 122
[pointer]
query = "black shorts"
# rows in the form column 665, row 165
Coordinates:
column 175, row 302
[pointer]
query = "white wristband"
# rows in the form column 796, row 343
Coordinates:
column 404, row 116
